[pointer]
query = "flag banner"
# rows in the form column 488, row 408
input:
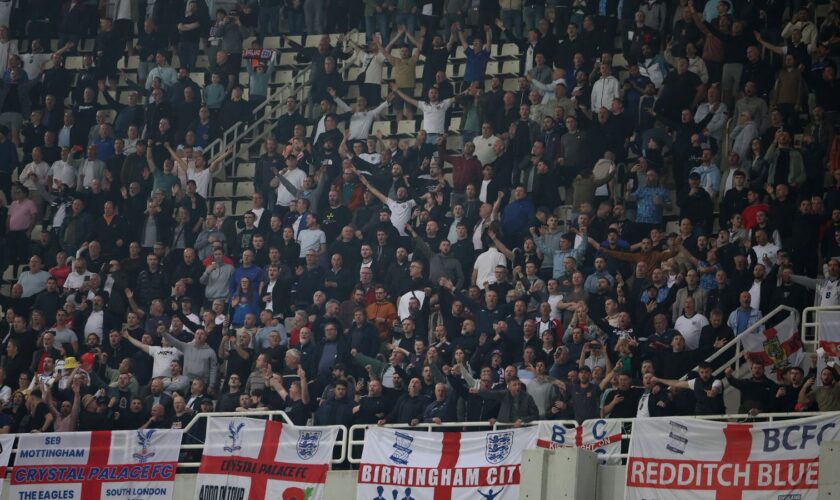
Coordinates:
column 7, row 443
column 829, row 333
column 673, row 458
column 252, row 459
column 601, row 436
column 776, row 348
column 96, row 465
column 399, row 464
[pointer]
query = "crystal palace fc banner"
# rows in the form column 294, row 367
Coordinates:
column 96, row 465
column 687, row 459
column 252, row 459
column 601, row 436
column 398, row 464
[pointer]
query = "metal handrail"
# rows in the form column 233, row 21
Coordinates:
column 736, row 342
column 813, row 325
column 340, row 441
column 266, row 109
column 627, row 423
column 354, row 443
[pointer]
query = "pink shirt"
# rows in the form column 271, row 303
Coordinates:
column 22, row 214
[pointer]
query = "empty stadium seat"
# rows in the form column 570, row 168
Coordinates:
column 245, row 170
column 406, row 127
column 244, row 189
column 382, row 126
column 223, row 190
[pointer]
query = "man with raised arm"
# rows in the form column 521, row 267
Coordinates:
column 401, row 208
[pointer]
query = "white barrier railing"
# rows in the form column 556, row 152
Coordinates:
column 811, row 322
column 355, row 443
column 263, row 113
column 627, row 423
column 340, row 441
column 735, row 344
column 350, row 441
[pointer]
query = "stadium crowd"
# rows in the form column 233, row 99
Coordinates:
column 652, row 179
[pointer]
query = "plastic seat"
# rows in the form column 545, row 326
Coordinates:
column 245, row 170
column 406, row 127
column 244, row 189
column 223, row 190
column 383, row 126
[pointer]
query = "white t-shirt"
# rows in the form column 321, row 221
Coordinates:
column 828, row 292
column 88, row 173
column 642, row 411
column 94, row 324
column 258, row 213
column 401, row 213
column 65, row 336
column 484, row 149
column 310, row 239
column 717, row 384
column 64, row 172
column 40, row 170
column 434, row 115
column 32, row 64
column 485, row 266
column 162, row 357
column 75, row 280
column 373, row 63
column 690, row 328
column 202, row 180
column 296, row 177
column 769, row 250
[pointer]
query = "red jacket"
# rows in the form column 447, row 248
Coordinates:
column 465, row 171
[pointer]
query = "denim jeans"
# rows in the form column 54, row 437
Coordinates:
column 188, row 53
column 314, row 12
column 531, row 15
column 297, row 22
column 405, row 19
column 269, row 23
column 513, row 20
column 377, row 22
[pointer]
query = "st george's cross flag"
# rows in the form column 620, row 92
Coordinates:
column 7, row 444
column 598, row 435
column 253, row 459
column 776, row 348
column 673, row 458
column 399, row 463
column 98, row 465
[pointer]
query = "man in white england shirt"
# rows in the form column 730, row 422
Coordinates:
column 434, row 112
column 689, row 324
column 401, row 208
column 162, row 356
column 294, row 175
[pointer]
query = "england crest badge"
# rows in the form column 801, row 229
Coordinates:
column 498, row 446
column 307, row 444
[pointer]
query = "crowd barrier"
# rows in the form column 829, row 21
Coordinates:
column 350, row 441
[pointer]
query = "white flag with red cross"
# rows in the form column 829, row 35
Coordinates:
column 400, row 464
column 7, row 443
column 674, row 458
column 96, row 465
column 252, row 459
column 776, row 348
column 599, row 435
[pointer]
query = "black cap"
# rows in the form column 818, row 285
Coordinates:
column 694, row 175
